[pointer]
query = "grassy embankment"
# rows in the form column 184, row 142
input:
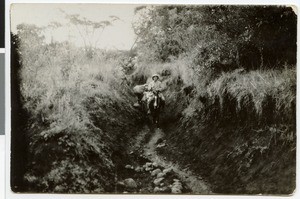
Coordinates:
column 73, row 117
column 236, row 129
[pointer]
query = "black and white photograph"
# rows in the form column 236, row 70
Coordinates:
column 153, row 99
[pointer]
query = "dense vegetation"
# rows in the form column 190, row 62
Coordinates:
column 230, row 79
column 72, row 104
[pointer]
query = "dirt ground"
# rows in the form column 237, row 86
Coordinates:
column 148, row 172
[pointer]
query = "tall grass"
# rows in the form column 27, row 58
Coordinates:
column 257, row 87
column 77, row 107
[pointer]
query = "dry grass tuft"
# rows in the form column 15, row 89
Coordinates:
column 256, row 87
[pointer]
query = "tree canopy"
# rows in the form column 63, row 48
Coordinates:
column 219, row 37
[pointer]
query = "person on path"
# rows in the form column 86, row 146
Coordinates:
column 154, row 86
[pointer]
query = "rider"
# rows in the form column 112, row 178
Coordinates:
column 154, row 86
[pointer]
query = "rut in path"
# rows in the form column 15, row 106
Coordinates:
column 194, row 182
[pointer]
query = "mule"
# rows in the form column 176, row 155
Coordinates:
column 155, row 106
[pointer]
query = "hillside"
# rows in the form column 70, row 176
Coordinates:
column 229, row 125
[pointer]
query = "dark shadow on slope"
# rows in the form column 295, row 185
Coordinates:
column 19, row 142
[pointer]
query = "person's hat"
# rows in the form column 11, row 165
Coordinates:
column 155, row 75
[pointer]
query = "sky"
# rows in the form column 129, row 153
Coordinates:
column 118, row 36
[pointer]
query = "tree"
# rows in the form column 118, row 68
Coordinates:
column 218, row 38
column 263, row 33
column 30, row 37
column 89, row 31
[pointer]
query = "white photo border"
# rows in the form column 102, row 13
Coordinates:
column 11, row 195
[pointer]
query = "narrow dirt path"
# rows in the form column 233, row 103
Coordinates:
column 194, row 182
column 145, row 171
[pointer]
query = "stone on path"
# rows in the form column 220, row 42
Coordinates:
column 178, row 186
column 148, row 164
column 177, row 183
column 165, row 189
column 168, row 170
column 130, row 183
column 138, row 169
column 161, row 145
column 155, row 172
column 160, row 175
column 175, row 190
column 158, row 181
column 156, row 189
column 128, row 166
column 161, row 190
column 155, row 164
column 148, row 169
